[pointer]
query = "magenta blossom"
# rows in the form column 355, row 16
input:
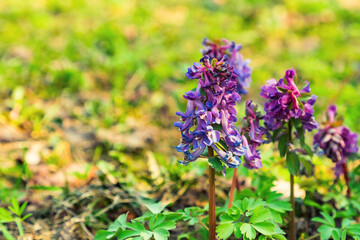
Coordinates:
column 285, row 101
column 336, row 141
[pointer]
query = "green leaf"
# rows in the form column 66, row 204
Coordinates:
column 5, row 216
column 223, row 144
column 320, row 220
column 307, row 165
column 119, row 223
column 135, row 226
column 103, row 235
column 217, row 127
column 247, row 230
column 155, row 220
column 283, row 144
column 356, row 204
column 237, row 231
column 343, row 235
column 346, row 222
column 276, row 216
column 22, row 208
column 354, row 230
column 292, row 163
column 329, row 219
column 265, row 228
column 155, row 207
column 250, row 204
column 280, row 206
column 127, row 234
column 276, row 134
column 15, row 206
column 335, row 234
column 272, row 196
column 216, row 163
column 260, row 214
column 161, row 234
column 279, row 237
column 308, row 150
column 168, row 225
column 145, row 235
column 26, row 216
column 305, row 96
column 225, row 230
column 325, row 232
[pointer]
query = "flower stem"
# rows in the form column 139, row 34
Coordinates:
column 212, row 216
column 347, row 180
column 292, row 198
column 232, row 190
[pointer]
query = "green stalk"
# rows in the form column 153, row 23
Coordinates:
column 6, row 233
column 20, row 227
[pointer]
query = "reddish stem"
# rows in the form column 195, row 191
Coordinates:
column 212, row 216
column 347, row 180
column 232, row 190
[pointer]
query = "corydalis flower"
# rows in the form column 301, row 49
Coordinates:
column 286, row 101
column 211, row 104
column 252, row 133
column 218, row 49
column 336, row 140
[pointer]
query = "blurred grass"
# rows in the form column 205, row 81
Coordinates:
column 65, row 47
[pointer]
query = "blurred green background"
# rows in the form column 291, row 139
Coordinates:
column 133, row 49
column 90, row 88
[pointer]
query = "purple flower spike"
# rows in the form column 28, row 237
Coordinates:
column 285, row 101
column 210, row 115
column 242, row 71
column 336, row 141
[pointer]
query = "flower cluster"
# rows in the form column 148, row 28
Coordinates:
column 286, row 101
column 336, row 140
column 218, row 49
column 210, row 115
column 252, row 133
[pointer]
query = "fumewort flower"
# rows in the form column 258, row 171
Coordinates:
column 286, row 101
column 210, row 115
column 336, row 141
column 218, row 49
column 252, row 136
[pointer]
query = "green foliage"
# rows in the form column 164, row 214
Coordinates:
column 216, row 163
column 252, row 217
column 329, row 229
column 292, row 163
column 8, row 216
column 248, row 217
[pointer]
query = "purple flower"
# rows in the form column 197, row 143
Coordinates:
column 285, row 101
column 336, row 141
column 242, row 71
column 210, row 115
column 252, row 136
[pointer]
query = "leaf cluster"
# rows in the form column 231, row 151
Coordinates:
column 251, row 218
column 14, row 214
column 329, row 228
